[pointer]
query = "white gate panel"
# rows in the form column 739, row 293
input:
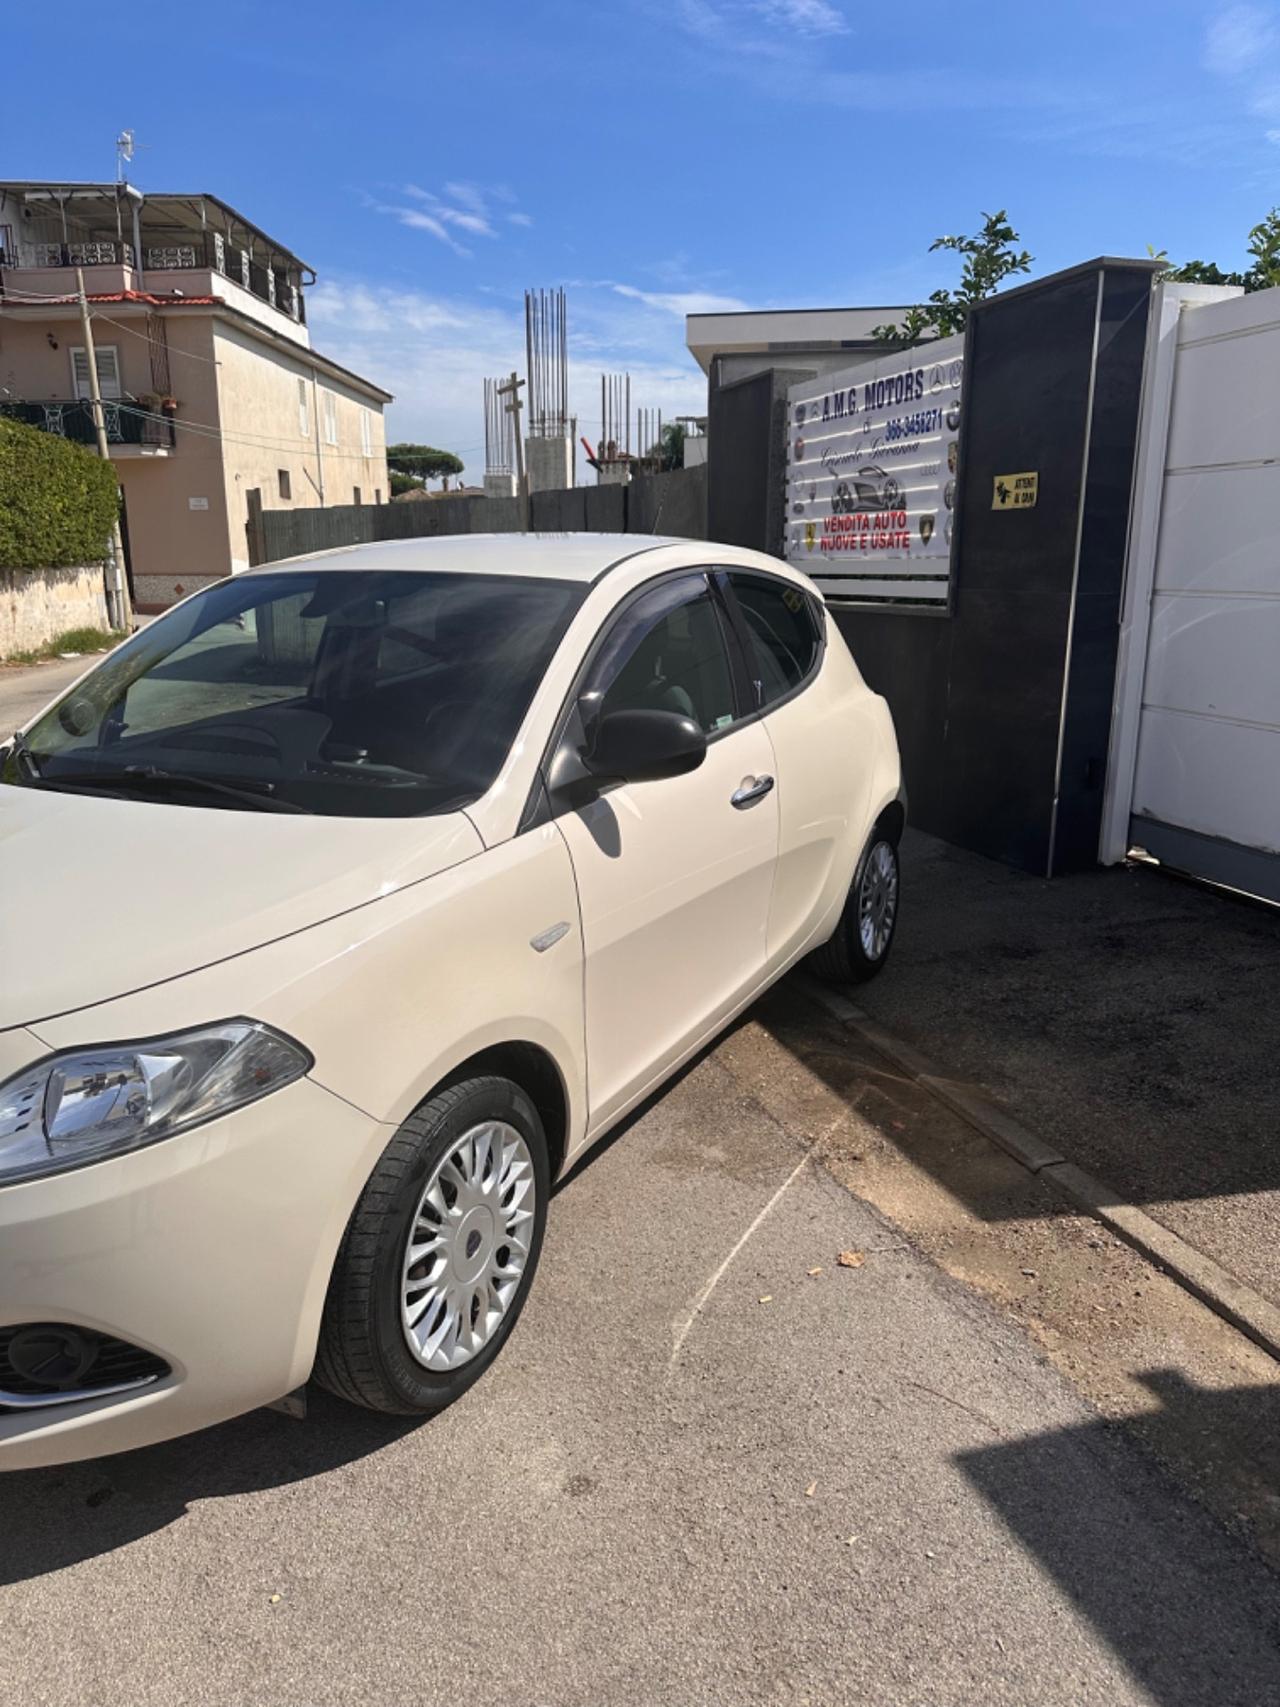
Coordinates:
column 1218, row 532
column 1215, row 657
column 1225, row 407
column 1206, row 775
column 1194, row 775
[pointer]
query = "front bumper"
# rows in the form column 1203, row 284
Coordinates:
column 212, row 1249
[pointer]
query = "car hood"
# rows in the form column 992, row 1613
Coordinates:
column 100, row 897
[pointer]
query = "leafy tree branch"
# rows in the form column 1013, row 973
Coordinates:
column 991, row 256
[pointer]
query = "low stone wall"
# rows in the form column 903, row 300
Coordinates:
column 36, row 605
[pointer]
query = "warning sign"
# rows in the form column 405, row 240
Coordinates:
column 1015, row 491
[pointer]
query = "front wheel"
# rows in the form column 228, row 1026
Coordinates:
column 440, row 1251
column 864, row 936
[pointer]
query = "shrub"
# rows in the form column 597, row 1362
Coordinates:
column 58, row 502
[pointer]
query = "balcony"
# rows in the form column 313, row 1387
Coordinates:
column 131, row 429
column 110, row 267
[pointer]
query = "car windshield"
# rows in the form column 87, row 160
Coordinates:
column 346, row 693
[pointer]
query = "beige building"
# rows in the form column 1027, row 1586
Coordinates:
column 215, row 402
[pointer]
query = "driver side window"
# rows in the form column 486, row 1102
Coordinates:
column 667, row 653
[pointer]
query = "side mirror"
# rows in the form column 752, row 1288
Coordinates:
column 643, row 746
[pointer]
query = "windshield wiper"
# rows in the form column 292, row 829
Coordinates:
column 21, row 749
column 265, row 800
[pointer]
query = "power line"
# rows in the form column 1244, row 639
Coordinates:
column 160, row 343
column 204, row 430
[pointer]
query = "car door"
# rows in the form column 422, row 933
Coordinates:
column 674, row 876
column 810, row 696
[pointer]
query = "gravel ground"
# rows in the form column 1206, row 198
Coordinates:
column 1131, row 1019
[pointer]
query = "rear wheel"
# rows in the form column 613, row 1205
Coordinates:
column 864, row 936
column 440, row 1252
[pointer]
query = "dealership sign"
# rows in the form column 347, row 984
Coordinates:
column 872, row 459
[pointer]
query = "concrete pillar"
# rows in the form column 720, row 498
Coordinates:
column 616, row 473
column 550, row 464
column 499, row 485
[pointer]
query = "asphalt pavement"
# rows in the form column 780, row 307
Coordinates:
column 699, row 1474
column 28, row 688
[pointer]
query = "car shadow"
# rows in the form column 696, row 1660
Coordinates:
column 63, row 1515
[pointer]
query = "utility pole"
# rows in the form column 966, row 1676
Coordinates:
column 511, row 391
column 118, row 612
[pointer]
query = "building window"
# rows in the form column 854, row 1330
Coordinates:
column 108, row 370
column 366, row 432
column 356, row 499
column 304, row 410
column 330, row 407
column 286, row 486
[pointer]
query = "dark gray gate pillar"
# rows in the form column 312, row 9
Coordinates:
column 1003, row 703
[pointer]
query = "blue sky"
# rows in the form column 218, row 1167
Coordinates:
column 431, row 162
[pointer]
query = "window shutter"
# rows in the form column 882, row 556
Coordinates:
column 108, row 370
column 366, row 433
column 304, row 413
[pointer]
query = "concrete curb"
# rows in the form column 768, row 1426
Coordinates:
column 1207, row 1280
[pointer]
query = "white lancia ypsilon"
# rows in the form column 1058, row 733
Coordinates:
column 346, row 905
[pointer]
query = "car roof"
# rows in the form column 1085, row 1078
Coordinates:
column 546, row 556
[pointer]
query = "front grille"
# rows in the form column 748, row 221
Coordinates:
column 54, row 1361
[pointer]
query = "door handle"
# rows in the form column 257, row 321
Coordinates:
column 756, row 789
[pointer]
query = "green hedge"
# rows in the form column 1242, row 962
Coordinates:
column 57, row 501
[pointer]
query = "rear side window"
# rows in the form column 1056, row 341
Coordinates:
column 784, row 631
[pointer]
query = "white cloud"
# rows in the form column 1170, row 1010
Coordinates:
column 1242, row 45
column 458, row 207
column 468, row 195
column 435, row 352
column 682, row 302
column 472, row 215
column 416, row 220
column 1238, row 39
column 806, row 17
column 730, row 21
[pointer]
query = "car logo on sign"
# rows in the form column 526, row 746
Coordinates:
column 926, row 529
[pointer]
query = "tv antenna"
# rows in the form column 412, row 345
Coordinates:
column 124, row 153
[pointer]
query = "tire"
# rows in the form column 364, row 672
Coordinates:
column 482, row 1141
column 852, row 957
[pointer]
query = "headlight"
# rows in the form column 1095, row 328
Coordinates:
column 90, row 1103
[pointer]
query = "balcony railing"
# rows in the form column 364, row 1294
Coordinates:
column 126, row 423
column 87, row 252
column 167, row 253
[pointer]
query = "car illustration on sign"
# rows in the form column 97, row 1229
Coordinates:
column 870, row 489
